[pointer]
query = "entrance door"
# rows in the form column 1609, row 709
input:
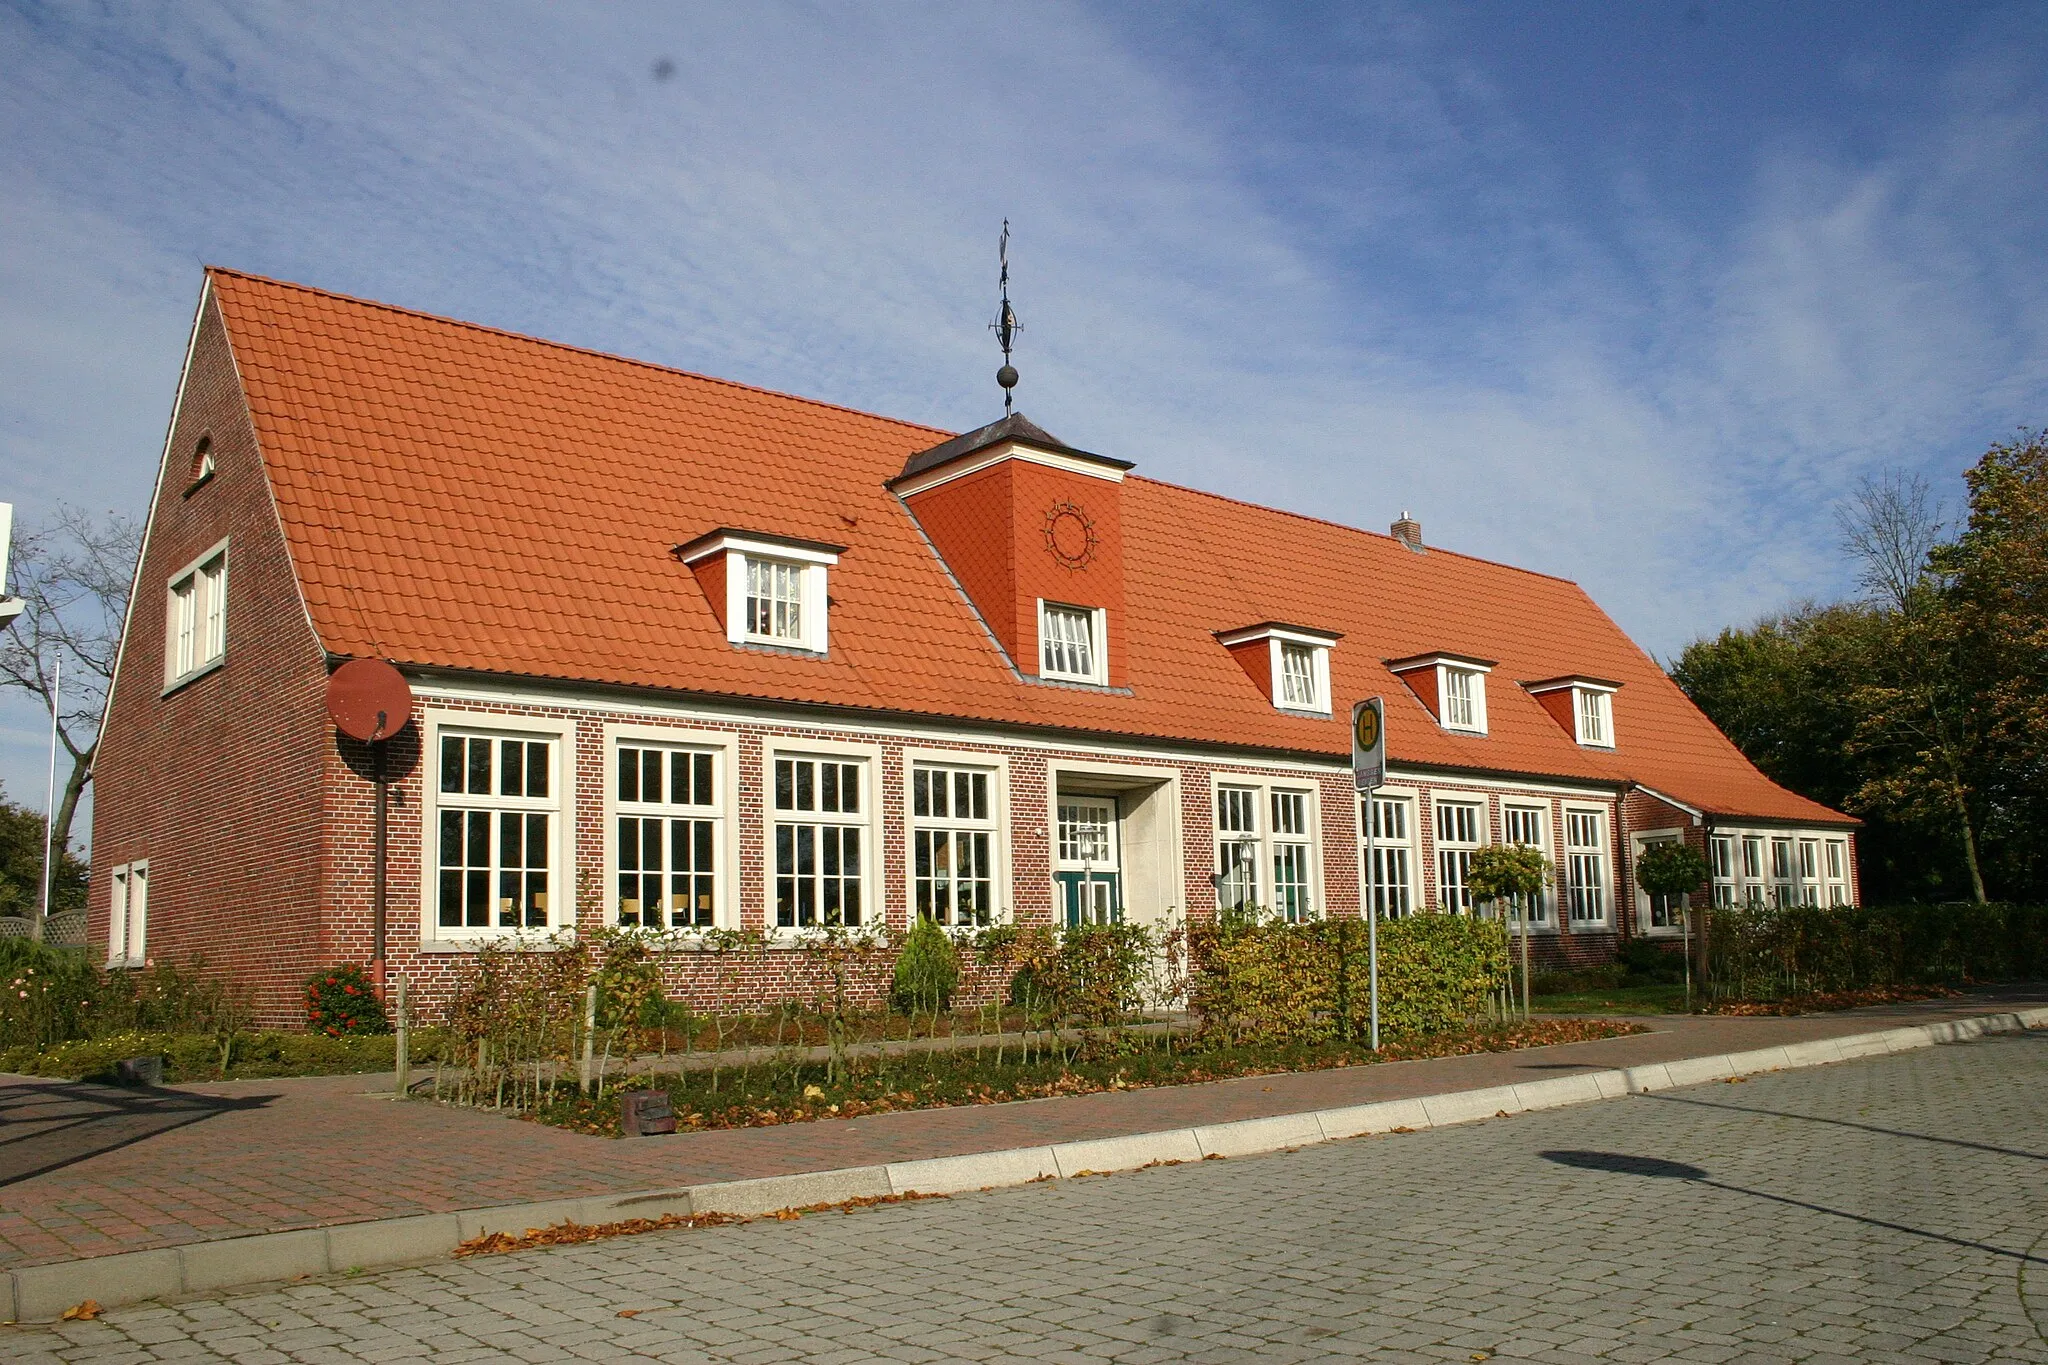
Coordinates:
column 1087, row 866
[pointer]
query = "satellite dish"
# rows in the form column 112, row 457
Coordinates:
column 368, row 699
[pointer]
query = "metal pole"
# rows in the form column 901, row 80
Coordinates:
column 382, row 839
column 50, row 796
column 589, row 1032
column 403, row 1084
column 1372, row 919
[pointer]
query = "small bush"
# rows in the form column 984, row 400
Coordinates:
column 927, row 970
column 340, row 1003
column 1648, row 963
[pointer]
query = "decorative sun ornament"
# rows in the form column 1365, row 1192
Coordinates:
column 1070, row 536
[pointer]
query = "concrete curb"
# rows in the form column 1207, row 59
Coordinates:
column 41, row 1293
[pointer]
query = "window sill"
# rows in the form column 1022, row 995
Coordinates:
column 1310, row 712
column 1079, row 684
column 787, row 648
column 511, row 940
column 199, row 483
column 183, row 681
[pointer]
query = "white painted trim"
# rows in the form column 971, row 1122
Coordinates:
column 174, row 681
column 761, row 548
column 1638, row 841
column 998, row 766
column 1612, row 872
column 1698, row 816
column 1229, row 638
column 1319, row 673
column 1443, row 705
column 1547, row 847
column 1265, row 786
column 1008, row 450
column 812, row 606
column 563, row 804
column 874, row 910
column 725, row 912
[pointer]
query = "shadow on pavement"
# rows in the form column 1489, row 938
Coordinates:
column 48, row 1125
column 1657, row 1168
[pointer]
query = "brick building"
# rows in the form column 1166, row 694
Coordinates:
column 687, row 654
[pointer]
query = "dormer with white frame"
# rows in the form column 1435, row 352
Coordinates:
column 766, row 590
column 1583, row 706
column 1452, row 686
column 1289, row 664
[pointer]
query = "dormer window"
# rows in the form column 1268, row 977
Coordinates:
column 1584, row 706
column 1290, row 664
column 1070, row 643
column 764, row 589
column 1452, row 686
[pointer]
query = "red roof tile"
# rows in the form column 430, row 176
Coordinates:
column 465, row 498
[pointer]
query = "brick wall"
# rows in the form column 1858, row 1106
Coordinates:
column 219, row 783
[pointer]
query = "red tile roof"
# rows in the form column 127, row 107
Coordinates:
column 465, row 498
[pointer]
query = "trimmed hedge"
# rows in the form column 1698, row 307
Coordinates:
column 1770, row 953
column 1275, row 982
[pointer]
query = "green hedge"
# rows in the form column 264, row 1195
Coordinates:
column 1766, row 953
column 1255, row 983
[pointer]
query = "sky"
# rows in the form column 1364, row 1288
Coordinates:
column 1629, row 293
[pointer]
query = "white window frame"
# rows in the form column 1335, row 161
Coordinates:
column 1724, row 868
column 196, row 617
column 1600, row 700
column 1646, row 904
column 1098, row 651
column 1268, row 844
column 1542, row 911
column 1475, row 724
column 997, row 826
column 1390, row 853
column 873, row 874
column 1835, row 871
column 1588, row 895
column 559, row 805
column 128, row 915
column 1456, row 853
column 724, row 750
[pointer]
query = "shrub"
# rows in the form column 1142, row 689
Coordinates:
column 340, row 1002
column 1650, row 963
column 1761, row 953
column 1257, row 983
column 927, row 970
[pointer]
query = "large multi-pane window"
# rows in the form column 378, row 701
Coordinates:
column 1458, row 828
column 820, row 826
column 1068, row 648
column 1721, row 863
column 1784, row 881
column 495, row 809
column 197, row 632
column 1530, row 826
column 775, row 600
column 1752, row 870
column 1265, row 851
column 1809, row 872
column 953, row 840
column 1393, row 883
column 1237, row 847
column 1838, row 871
column 1585, row 842
column 668, row 830
column 1665, row 911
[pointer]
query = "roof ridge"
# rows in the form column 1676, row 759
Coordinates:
column 508, row 333
column 1356, row 530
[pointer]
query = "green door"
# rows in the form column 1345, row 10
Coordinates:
column 1086, row 864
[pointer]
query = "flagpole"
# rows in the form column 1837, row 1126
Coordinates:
column 50, row 791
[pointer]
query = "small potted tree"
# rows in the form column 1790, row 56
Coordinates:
column 1514, row 873
column 1674, row 869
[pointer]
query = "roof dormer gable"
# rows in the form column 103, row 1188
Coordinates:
column 1290, row 665
column 1452, row 686
column 1583, row 706
column 1032, row 531
column 765, row 589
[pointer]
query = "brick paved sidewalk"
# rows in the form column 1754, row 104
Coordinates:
column 89, row 1170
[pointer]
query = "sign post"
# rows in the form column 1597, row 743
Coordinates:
column 1368, row 774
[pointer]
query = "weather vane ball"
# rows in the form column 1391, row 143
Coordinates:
column 1006, row 325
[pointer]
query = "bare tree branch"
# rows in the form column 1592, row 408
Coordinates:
column 1888, row 526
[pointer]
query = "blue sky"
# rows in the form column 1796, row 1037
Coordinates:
column 1631, row 293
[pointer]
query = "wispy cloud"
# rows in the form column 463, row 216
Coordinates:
column 1343, row 262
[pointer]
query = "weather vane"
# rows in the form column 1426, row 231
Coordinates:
column 1006, row 325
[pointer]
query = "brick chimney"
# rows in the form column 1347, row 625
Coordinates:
column 1409, row 532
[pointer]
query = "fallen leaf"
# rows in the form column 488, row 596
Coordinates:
column 83, row 1312
column 631, row 1312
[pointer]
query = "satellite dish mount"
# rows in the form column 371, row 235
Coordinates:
column 371, row 701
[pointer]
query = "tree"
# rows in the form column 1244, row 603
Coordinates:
column 1669, row 869
column 21, row 865
column 73, row 575
column 1516, row 873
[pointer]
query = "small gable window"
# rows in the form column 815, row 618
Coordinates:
column 764, row 589
column 1596, row 717
column 1464, row 698
column 1452, row 686
column 775, row 601
column 1070, row 644
column 1289, row 664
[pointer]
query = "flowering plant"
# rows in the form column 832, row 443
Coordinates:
column 340, row 1001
